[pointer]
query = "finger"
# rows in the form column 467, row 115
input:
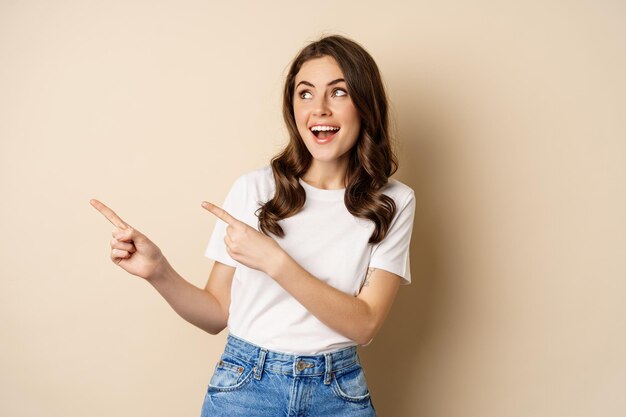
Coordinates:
column 229, row 243
column 109, row 214
column 119, row 253
column 230, row 253
column 129, row 247
column 221, row 213
column 126, row 235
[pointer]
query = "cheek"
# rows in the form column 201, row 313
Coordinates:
column 301, row 119
column 352, row 116
column 355, row 131
column 355, row 124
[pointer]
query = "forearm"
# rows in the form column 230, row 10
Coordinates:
column 342, row 312
column 197, row 306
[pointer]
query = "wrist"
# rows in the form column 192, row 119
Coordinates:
column 277, row 263
column 161, row 272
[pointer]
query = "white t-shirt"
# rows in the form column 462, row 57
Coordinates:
column 327, row 241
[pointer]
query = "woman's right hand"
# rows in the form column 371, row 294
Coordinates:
column 130, row 249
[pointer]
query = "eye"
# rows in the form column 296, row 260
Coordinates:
column 339, row 92
column 305, row 94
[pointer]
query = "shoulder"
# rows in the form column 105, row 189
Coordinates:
column 258, row 182
column 401, row 193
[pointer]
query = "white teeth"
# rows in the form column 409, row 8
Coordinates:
column 323, row 128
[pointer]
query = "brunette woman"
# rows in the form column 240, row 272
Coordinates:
column 309, row 251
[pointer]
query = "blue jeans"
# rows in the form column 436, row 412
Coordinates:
column 250, row 381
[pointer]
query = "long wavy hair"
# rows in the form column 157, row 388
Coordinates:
column 371, row 161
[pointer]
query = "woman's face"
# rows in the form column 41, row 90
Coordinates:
column 325, row 115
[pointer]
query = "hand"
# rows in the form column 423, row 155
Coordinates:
column 130, row 249
column 247, row 245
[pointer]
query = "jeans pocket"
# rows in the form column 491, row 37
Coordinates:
column 350, row 385
column 231, row 373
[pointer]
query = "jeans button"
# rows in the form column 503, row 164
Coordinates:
column 300, row 366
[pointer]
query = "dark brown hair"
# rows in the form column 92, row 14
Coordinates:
column 371, row 160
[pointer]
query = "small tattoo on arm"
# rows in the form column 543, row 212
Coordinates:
column 366, row 283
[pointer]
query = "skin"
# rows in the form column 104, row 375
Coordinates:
column 320, row 98
column 357, row 318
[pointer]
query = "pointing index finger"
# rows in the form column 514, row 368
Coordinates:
column 109, row 214
column 220, row 213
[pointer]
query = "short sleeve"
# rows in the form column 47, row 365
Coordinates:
column 392, row 253
column 233, row 204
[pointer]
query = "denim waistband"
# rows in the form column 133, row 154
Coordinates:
column 297, row 365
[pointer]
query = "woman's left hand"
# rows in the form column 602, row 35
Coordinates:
column 245, row 244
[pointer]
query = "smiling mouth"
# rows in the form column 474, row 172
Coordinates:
column 324, row 132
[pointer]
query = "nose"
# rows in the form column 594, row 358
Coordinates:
column 321, row 107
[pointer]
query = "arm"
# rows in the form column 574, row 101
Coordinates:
column 136, row 254
column 358, row 318
column 206, row 309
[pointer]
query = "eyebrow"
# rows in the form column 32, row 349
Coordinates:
column 333, row 82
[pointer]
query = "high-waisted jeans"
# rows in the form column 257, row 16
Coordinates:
column 250, row 381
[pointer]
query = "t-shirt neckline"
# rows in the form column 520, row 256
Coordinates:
column 321, row 194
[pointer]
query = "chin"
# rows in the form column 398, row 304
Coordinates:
column 327, row 157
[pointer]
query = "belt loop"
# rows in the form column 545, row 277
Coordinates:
column 329, row 367
column 258, row 370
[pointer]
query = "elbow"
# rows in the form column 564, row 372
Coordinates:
column 368, row 329
column 217, row 325
column 222, row 325
column 215, row 331
column 366, row 341
column 365, row 338
column 216, row 319
column 367, row 333
column 215, row 328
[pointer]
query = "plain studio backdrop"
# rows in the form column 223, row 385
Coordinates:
column 510, row 124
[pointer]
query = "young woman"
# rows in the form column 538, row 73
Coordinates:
column 309, row 251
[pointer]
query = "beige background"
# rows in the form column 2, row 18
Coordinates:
column 510, row 117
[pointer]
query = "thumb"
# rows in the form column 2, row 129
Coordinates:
column 128, row 234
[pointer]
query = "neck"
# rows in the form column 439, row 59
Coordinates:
column 326, row 175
